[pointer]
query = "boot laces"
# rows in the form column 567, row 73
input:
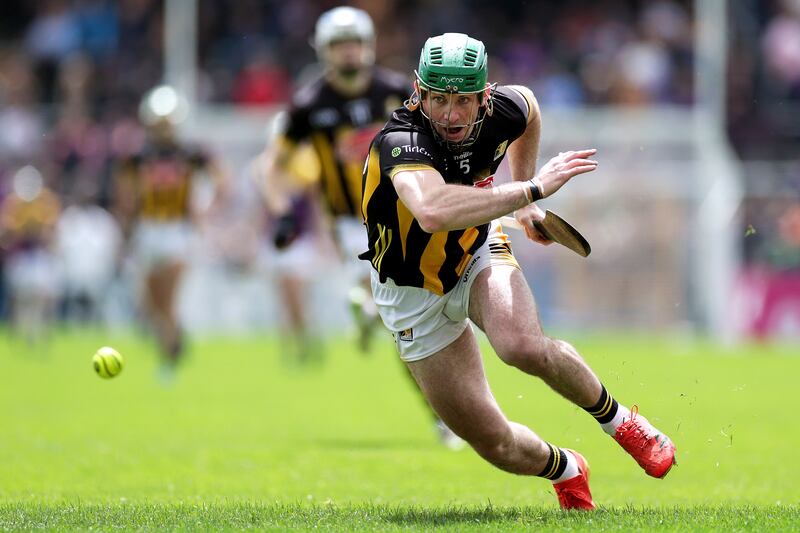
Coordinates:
column 631, row 431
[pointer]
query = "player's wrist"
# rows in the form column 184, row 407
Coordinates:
column 527, row 190
column 533, row 190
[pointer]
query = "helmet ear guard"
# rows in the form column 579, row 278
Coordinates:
column 413, row 102
column 487, row 98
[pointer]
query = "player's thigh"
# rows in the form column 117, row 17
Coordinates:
column 164, row 277
column 502, row 305
column 454, row 383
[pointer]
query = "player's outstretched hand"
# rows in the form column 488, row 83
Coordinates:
column 562, row 168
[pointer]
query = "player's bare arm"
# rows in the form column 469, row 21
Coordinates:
column 439, row 206
column 277, row 184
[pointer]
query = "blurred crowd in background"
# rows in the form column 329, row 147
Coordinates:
column 72, row 73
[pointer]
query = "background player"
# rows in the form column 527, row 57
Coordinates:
column 157, row 204
column 339, row 113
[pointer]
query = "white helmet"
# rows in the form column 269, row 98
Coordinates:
column 163, row 104
column 342, row 23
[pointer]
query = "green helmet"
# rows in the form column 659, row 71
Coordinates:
column 453, row 62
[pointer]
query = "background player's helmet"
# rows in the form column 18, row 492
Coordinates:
column 161, row 109
column 344, row 24
column 162, row 104
column 456, row 63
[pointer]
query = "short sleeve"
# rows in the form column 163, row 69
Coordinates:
column 512, row 108
column 401, row 150
column 297, row 128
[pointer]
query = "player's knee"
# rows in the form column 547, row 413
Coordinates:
column 527, row 352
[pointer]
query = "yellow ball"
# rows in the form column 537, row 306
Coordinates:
column 107, row 362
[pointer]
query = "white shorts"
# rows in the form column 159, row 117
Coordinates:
column 424, row 323
column 300, row 260
column 161, row 242
column 33, row 273
column 351, row 236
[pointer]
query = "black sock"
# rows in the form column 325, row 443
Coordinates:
column 556, row 463
column 605, row 408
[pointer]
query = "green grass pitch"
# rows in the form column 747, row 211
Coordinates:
column 243, row 440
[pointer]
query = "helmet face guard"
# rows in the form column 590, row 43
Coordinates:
column 453, row 65
column 476, row 111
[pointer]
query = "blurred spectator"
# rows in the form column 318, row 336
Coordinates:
column 764, row 74
column 21, row 121
column 781, row 45
column 78, row 149
column 595, row 52
column 261, row 82
column 99, row 27
column 53, row 35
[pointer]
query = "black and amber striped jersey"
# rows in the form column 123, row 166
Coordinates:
column 160, row 177
column 340, row 129
column 398, row 247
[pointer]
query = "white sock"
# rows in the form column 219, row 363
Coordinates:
column 623, row 414
column 571, row 470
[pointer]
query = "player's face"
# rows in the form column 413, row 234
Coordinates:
column 349, row 57
column 161, row 132
column 453, row 115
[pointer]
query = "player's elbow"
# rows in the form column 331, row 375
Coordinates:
column 430, row 220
